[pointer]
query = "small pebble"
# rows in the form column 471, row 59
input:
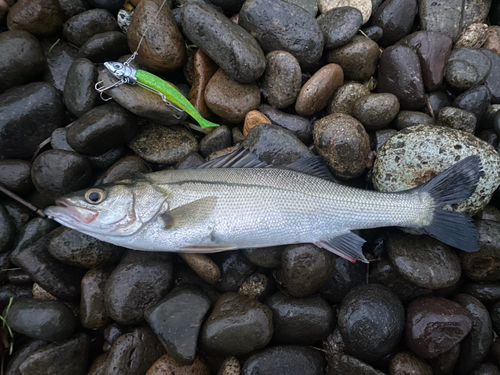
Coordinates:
column 253, row 118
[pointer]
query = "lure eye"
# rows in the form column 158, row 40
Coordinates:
column 117, row 66
column 95, row 195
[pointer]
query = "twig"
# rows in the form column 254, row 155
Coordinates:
column 17, row 198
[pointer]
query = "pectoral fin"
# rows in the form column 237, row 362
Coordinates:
column 189, row 214
column 348, row 246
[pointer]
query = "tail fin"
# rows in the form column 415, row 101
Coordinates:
column 454, row 185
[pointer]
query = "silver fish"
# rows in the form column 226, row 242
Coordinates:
column 238, row 202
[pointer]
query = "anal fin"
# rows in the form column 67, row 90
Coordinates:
column 189, row 214
column 348, row 246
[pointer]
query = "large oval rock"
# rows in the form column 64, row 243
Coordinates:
column 466, row 67
column 344, row 143
column 226, row 43
column 139, row 281
column 371, row 321
column 237, row 325
column 108, row 46
column 298, row 125
column 21, row 59
column 162, row 48
column 15, row 175
column 395, row 18
column 93, row 312
column 376, row 111
column 419, row 153
column 339, row 25
column 283, row 26
column 83, row 26
column 60, row 56
column 40, row 18
column 444, row 17
column 80, row 94
column 41, row 319
column 346, row 276
column 101, row 129
column 28, row 115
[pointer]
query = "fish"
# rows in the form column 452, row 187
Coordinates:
column 237, row 201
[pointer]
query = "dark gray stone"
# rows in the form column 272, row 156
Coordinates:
column 442, row 16
column 80, row 94
column 395, row 18
column 107, row 159
column 83, row 26
column 32, row 232
column 267, row 257
column 346, row 276
column 41, row 319
column 485, row 291
column 466, row 67
column 229, row 45
column 17, row 292
column 7, row 230
column 405, row 119
column 476, row 100
column 189, row 161
column 217, row 140
column 71, row 8
column 492, row 81
column 376, row 111
column 111, row 5
column 108, row 46
column 283, row 26
column 177, row 319
column 234, row 268
column 60, row 56
column 339, row 25
column 298, row 125
column 457, row 118
column 28, row 115
column 93, row 314
column 347, row 365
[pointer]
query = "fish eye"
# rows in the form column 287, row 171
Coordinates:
column 95, row 195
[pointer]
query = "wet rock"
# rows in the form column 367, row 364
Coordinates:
column 58, row 172
column 300, row 320
column 138, row 100
column 39, row 18
column 339, row 25
column 189, row 161
column 58, row 140
column 380, row 137
column 80, row 95
column 358, row 58
column 110, row 5
column 217, row 140
column 475, row 11
column 168, row 365
column 108, row 46
column 282, row 79
column 439, row 148
column 371, row 320
column 318, row 91
column 493, row 39
column 59, row 279
column 395, row 18
column 113, row 332
column 92, row 308
column 376, row 111
column 475, row 100
column 81, row 250
column 489, row 213
column 234, row 269
column 139, row 281
column 432, row 49
column 159, row 144
column 400, row 74
column 286, row 147
column 346, row 364
column 15, row 175
column 18, row 277
column 475, row 346
column 406, row 362
column 493, row 79
column 445, row 363
column 162, row 48
column 60, row 56
column 204, row 266
column 21, row 111
column 444, row 17
column 466, row 67
column 364, row 6
column 484, row 291
column 17, row 292
column 70, row 356
column 227, row 44
column 285, row 360
column 266, row 20
column 107, row 159
column 437, row 100
column 101, row 129
column 306, row 268
column 83, row 26
column 484, row 265
column 229, row 99
column 458, row 119
column 435, row 325
column 486, row 369
column 267, row 257
column 473, row 36
column 22, row 353
column 298, row 125
column 375, row 33
column 32, row 232
column 346, row 276
column 41, row 319
column 257, row 286
column 204, row 68
column 124, row 168
column 424, row 261
column 177, row 319
column 22, row 59
column 254, row 118
column 237, row 325
column 344, row 144
column 134, row 352
column 346, row 96
column 405, row 119
column 99, row 364
column 71, row 8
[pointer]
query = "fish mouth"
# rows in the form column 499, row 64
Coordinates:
column 65, row 210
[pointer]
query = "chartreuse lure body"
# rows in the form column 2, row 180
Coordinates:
column 169, row 94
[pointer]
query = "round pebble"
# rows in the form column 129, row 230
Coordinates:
column 339, row 25
column 458, row 119
column 376, row 111
column 466, row 67
column 364, row 6
column 346, row 96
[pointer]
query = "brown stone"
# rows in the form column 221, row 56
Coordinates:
column 435, row 325
column 203, row 266
column 229, row 99
column 493, row 39
column 319, row 89
column 162, row 49
column 204, row 69
column 253, row 118
column 166, row 365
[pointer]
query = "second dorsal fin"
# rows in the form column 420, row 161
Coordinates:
column 312, row 165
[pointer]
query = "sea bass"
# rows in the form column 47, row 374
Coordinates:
column 239, row 202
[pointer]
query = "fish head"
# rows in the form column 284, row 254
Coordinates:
column 121, row 71
column 118, row 209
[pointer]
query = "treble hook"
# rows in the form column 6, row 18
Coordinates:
column 102, row 89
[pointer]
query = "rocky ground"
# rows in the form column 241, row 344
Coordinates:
column 390, row 93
